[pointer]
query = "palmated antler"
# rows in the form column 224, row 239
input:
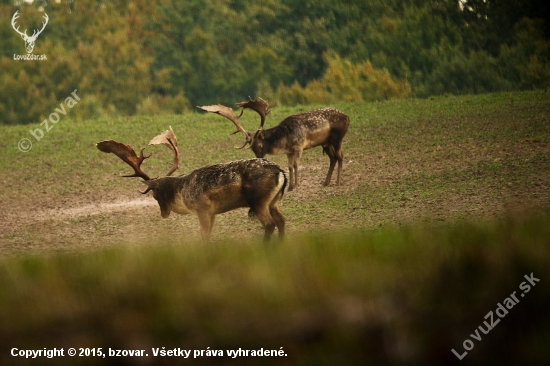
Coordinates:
column 229, row 114
column 126, row 154
column 259, row 105
column 169, row 139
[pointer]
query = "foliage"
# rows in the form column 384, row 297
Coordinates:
column 344, row 81
column 132, row 54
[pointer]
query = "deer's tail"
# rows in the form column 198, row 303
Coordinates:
column 282, row 182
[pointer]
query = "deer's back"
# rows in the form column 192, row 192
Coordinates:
column 313, row 128
column 231, row 185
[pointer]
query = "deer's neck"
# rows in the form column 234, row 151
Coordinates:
column 282, row 139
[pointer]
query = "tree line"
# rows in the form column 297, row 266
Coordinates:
column 165, row 56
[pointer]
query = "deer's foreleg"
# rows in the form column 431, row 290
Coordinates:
column 291, row 171
column 293, row 160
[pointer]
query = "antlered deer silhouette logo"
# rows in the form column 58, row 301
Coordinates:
column 29, row 40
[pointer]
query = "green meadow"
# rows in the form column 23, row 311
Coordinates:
column 445, row 208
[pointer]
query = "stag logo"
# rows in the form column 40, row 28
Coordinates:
column 29, row 40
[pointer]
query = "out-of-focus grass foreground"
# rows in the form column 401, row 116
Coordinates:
column 443, row 212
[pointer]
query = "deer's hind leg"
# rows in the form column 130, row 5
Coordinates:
column 268, row 222
column 279, row 219
column 268, row 214
column 340, row 158
column 337, row 144
column 329, row 150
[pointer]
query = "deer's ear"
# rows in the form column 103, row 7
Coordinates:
column 260, row 134
column 151, row 184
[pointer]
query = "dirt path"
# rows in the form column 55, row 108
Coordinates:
column 91, row 209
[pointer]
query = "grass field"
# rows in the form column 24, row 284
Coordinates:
column 443, row 210
column 434, row 160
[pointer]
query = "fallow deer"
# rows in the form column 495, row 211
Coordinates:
column 211, row 190
column 324, row 127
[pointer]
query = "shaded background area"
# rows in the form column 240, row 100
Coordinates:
column 152, row 57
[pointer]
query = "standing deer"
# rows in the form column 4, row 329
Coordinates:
column 211, row 190
column 325, row 127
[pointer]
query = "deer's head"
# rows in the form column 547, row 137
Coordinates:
column 165, row 192
column 256, row 139
column 29, row 40
column 163, row 189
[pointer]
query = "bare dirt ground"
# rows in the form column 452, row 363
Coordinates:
column 378, row 190
column 433, row 171
column 88, row 222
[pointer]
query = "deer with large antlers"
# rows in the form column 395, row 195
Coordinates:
column 29, row 41
column 211, row 190
column 324, row 127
